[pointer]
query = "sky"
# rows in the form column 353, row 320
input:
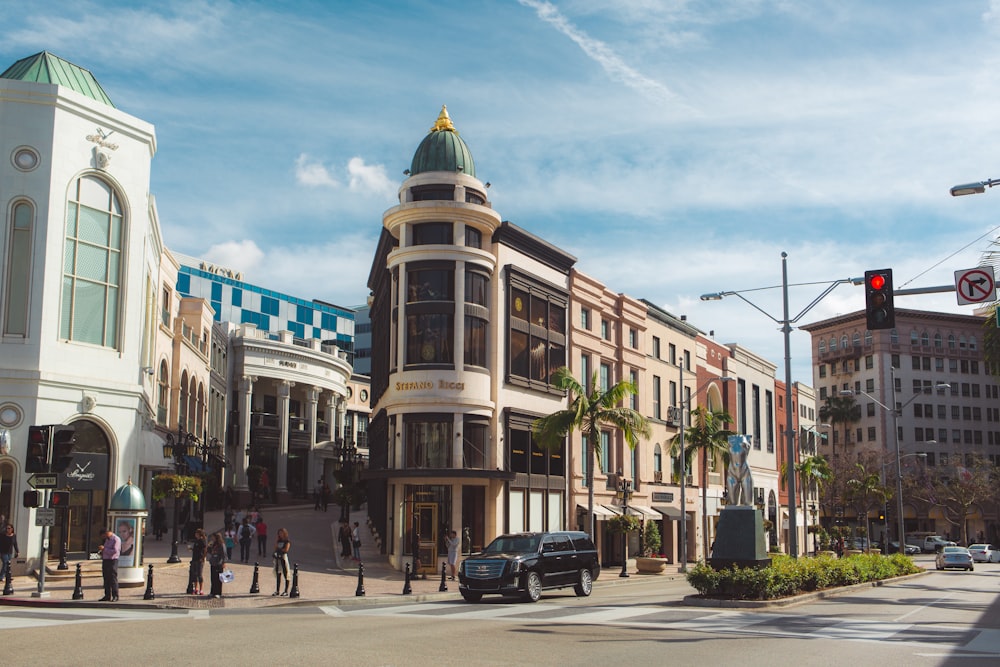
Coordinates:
column 675, row 147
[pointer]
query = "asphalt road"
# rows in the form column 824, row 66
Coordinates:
column 941, row 618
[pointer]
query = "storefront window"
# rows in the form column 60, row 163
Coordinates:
column 427, row 442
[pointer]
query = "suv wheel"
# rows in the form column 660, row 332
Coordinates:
column 471, row 596
column 586, row 583
column 532, row 587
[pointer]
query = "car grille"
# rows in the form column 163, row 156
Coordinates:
column 484, row 569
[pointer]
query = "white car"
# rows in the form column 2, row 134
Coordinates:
column 984, row 553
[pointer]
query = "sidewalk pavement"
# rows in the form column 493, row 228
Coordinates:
column 323, row 577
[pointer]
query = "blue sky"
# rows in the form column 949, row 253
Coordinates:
column 675, row 147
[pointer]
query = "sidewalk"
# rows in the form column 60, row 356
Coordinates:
column 323, row 578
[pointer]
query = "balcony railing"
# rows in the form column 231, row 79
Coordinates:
column 658, row 477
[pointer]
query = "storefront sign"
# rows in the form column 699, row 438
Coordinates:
column 428, row 384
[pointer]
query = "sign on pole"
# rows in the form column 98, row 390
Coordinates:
column 41, row 481
column 976, row 285
column 45, row 516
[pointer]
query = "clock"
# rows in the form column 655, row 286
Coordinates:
column 363, row 395
column 427, row 352
column 518, row 304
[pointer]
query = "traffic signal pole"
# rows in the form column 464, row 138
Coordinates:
column 41, row 593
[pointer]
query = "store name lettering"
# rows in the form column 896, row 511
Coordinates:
column 441, row 384
column 221, row 271
column 288, row 364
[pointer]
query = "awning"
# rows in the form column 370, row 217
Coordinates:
column 599, row 510
column 669, row 512
column 643, row 511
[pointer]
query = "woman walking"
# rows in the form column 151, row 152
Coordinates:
column 217, row 561
column 198, row 549
column 8, row 549
column 281, row 546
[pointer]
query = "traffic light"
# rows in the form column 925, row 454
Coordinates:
column 31, row 498
column 63, row 443
column 59, row 499
column 38, row 450
column 879, row 308
column 881, row 516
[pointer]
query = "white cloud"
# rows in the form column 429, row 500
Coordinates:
column 368, row 178
column 243, row 255
column 313, row 173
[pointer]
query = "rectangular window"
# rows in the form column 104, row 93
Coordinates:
column 656, row 397
column 605, row 330
column 769, row 418
column 536, row 330
column 672, row 353
column 585, row 319
column 633, row 339
column 656, row 347
column 427, row 440
column 605, row 377
column 434, row 233
column 473, row 237
column 585, row 372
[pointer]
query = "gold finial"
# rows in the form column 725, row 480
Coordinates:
column 443, row 122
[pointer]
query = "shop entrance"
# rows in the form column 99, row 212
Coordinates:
column 424, row 536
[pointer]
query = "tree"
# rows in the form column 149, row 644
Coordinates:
column 865, row 491
column 814, row 471
column 840, row 410
column 590, row 413
column 706, row 437
column 956, row 489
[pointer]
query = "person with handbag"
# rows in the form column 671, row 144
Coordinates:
column 281, row 547
column 217, row 562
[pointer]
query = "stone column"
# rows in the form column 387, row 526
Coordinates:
column 246, row 409
column 284, row 394
column 313, row 473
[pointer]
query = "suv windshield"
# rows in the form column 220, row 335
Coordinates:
column 513, row 544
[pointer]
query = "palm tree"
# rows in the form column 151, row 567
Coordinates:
column 706, row 437
column 589, row 413
column 814, row 471
column 840, row 409
column 866, row 491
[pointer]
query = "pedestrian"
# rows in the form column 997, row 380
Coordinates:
column 227, row 517
column 452, row 543
column 281, row 546
column 110, row 551
column 229, row 537
column 199, row 547
column 8, row 548
column 159, row 520
column 216, row 561
column 265, row 485
column 261, row 529
column 345, row 540
column 318, row 494
column 356, row 541
column 246, row 539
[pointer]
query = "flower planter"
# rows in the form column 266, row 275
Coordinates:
column 853, row 552
column 648, row 565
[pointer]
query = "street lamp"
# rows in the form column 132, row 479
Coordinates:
column 973, row 188
column 683, row 406
column 624, row 493
column 786, row 328
column 347, row 456
column 176, row 450
column 896, row 412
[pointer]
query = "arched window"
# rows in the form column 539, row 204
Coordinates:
column 182, row 403
column 951, row 341
column 18, row 287
column 163, row 399
column 822, row 346
column 833, row 344
column 961, row 342
column 972, row 342
column 192, row 408
column 914, row 337
column 92, row 264
column 893, row 337
column 843, row 342
column 868, row 338
column 658, row 461
column 937, row 340
column 925, row 339
column 856, row 340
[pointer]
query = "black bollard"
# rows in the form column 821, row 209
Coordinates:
column 443, row 587
column 62, row 559
column 406, row 582
column 255, row 586
column 360, row 592
column 190, row 588
column 8, row 587
column 149, row 595
column 295, row 581
column 78, row 588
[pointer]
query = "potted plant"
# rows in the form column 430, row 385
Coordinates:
column 651, row 561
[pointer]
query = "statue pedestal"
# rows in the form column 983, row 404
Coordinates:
column 739, row 539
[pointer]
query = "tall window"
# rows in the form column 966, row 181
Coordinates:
column 430, row 312
column 475, row 441
column 433, row 233
column 536, row 330
column 476, row 317
column 656, row 397
column 428, row 441
column 15, row 320
column 92, row 264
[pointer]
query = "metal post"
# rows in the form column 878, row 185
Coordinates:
column 899, row 467
column 625, row 494
column 682, row 555
column 793, row 537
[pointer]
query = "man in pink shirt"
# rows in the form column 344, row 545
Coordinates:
column 110, row 551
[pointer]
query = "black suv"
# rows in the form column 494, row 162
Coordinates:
column 526, row 563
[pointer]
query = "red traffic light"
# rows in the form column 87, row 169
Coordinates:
column 59, row 499
column 877, row 281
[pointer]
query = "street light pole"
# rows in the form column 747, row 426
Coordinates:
column 683, row 554
column 786, row 328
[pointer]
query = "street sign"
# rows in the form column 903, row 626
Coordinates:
column 976, row 285
column 38, row 481
column 45, row 516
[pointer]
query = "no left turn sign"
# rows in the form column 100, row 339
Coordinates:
column 975, row 285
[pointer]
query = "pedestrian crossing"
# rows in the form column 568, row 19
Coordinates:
column 918, row 637
column 13, row 618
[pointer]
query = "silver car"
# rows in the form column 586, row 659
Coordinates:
column 956, row 557
column 984, row 553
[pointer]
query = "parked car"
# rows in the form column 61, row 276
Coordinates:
column 934, row 543
column 525, row 564
column 910, row 550
column 951, row 556
column 984, row 553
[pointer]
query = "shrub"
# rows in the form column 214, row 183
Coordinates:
column 651, row 539
column 788, row 576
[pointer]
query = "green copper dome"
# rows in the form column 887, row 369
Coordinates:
column 128, row 498
column 443, row 150
column 43, row 67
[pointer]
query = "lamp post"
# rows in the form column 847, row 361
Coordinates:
column 347, row 456
column 624, row 492
column 176, row 450
column 683, row 406
column 786, row 328
column 896, row 412
column 973, row 188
